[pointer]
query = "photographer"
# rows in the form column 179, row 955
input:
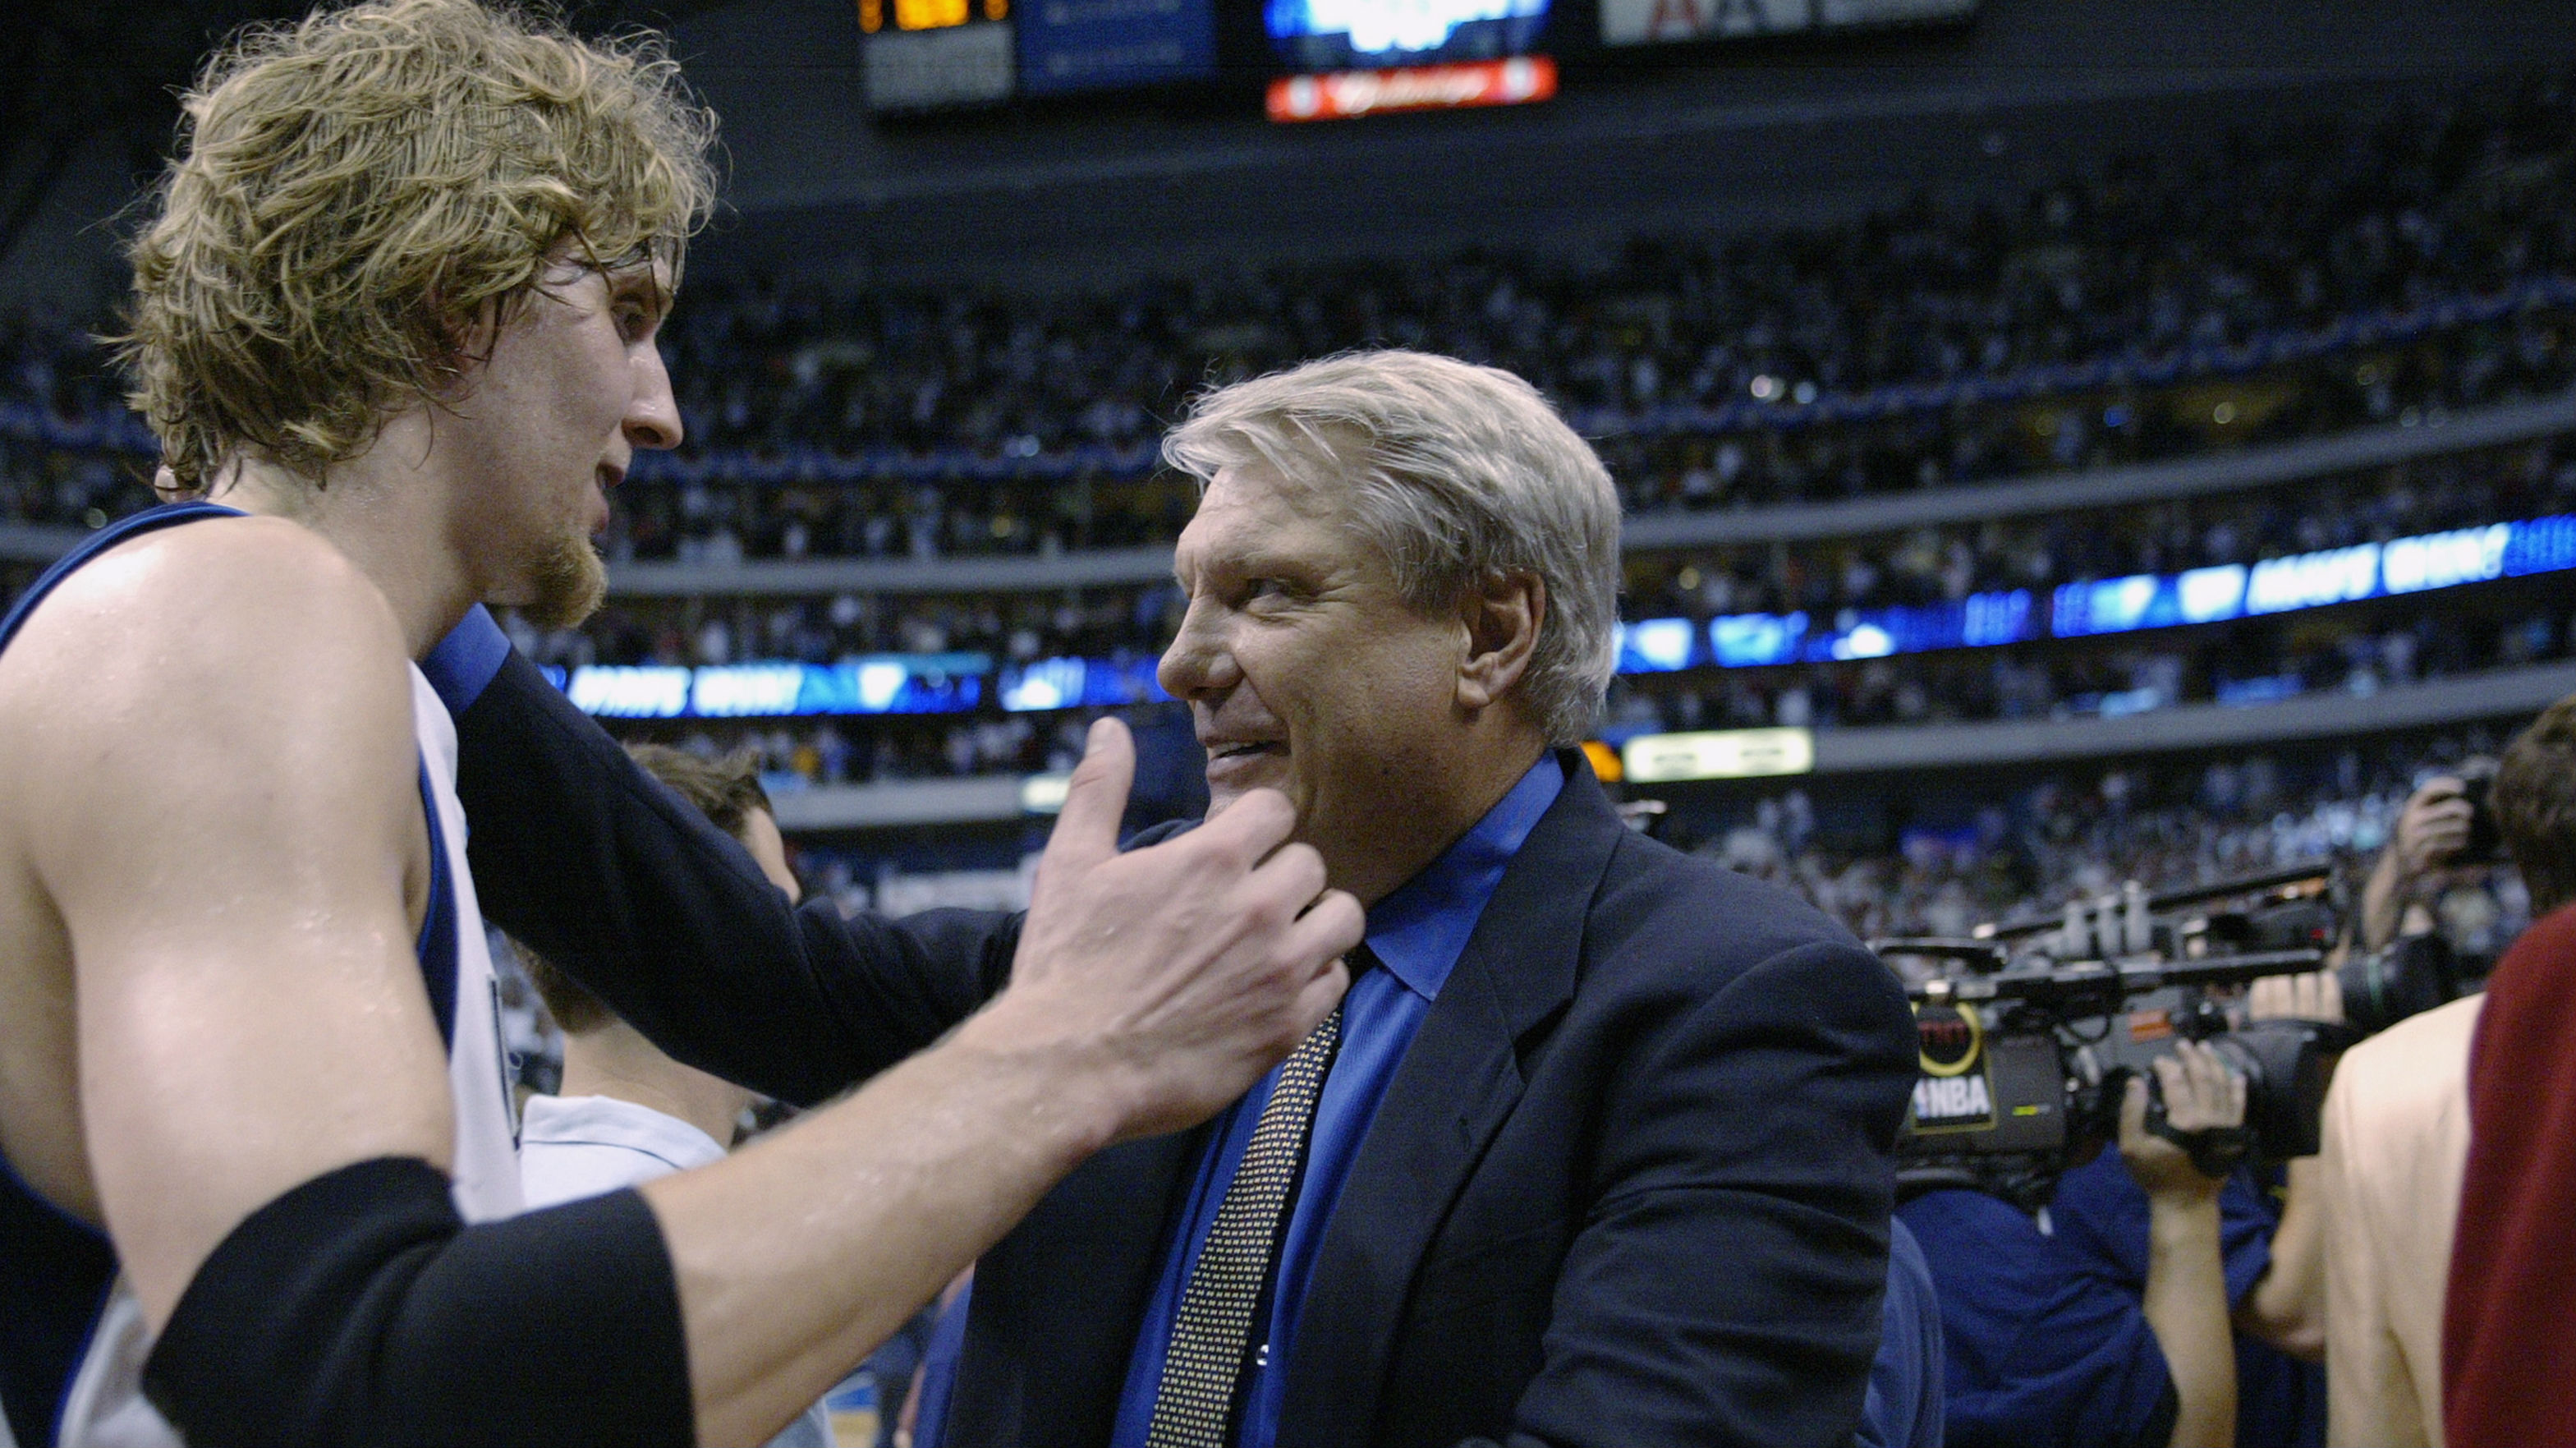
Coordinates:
column 2046, row 1347
column 2433, row 830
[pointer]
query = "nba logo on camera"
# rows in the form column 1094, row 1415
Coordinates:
column 1953, row 1093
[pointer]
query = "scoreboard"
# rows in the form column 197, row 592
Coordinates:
column 1320, row 59
column 1649, row 22
column 932, row 54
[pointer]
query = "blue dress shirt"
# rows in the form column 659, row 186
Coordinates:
column 1417, row 933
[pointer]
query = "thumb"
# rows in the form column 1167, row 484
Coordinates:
column 2133, row 1109
column 1095, row 800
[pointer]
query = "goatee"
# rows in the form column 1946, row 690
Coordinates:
column 568, row 584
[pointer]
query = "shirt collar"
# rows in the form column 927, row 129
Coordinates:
column 608, row 1121
column 1419, row 931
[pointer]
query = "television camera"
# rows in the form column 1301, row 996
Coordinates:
column 2021, row 1072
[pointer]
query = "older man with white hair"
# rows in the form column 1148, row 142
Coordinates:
column 1596, row 1150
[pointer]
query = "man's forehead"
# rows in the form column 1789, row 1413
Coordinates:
column 1253, row 519
column 1259, row 490
column 1257, row 497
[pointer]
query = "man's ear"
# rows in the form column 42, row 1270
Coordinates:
column 1501, row 617
column 465, row 343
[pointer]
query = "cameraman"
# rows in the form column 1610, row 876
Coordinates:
column 2044, row 1347
column 2271, row 1247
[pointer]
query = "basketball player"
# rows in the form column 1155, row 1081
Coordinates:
column 394, row 321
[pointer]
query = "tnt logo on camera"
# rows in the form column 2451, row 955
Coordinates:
column 1953, row 1093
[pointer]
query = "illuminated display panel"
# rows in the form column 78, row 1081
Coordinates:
column 921, row 55
column 878, row 684
column 929, row 14
column 1332, row 35
column 1372, row 57
column 1654, row 22
column 960, row 682
column 1087, row 45
column 1080, row 684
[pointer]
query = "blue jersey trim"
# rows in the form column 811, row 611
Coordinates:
column 436, row 946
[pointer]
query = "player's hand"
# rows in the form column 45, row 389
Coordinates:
column 1180, row 972
column 2315, row 996
column 2432, row 827
column 2200, row 1094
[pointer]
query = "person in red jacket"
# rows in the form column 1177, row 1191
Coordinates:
column 2508, row 1338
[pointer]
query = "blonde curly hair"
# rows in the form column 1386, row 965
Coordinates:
column 354, row 192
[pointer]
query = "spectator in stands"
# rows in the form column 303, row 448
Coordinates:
column 627, row 1113
column 2507, row 1335
column 1722, row 372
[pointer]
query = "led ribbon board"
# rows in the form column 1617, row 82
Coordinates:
column 2113, row 605
column 1080, row 684
column 1363, row 57
column 878, row 684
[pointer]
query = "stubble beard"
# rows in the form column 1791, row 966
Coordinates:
column 567, row 583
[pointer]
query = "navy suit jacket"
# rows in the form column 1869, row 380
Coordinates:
column 1629, row 1187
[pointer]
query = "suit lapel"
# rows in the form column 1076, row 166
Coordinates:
column 1457, row 1084
column 1058, row 1301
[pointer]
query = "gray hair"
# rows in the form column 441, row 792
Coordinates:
column 1460, row 475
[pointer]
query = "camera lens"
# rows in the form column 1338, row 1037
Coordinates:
column 2413, row 975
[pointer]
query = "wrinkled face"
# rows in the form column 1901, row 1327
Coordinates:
column 1304, row 669
column 573, row 388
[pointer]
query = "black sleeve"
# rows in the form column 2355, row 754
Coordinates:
column 611, row 876
column 359, row 1311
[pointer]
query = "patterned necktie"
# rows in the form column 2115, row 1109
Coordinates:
column 1212, row 1334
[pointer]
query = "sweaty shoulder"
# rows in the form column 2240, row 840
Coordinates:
column 232, row 647
column 256, row 598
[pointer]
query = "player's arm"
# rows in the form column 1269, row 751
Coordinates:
column 210, row 741
column 1149, row 990
column 599, row 867
column 2370, row 1397
column 229, row 825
